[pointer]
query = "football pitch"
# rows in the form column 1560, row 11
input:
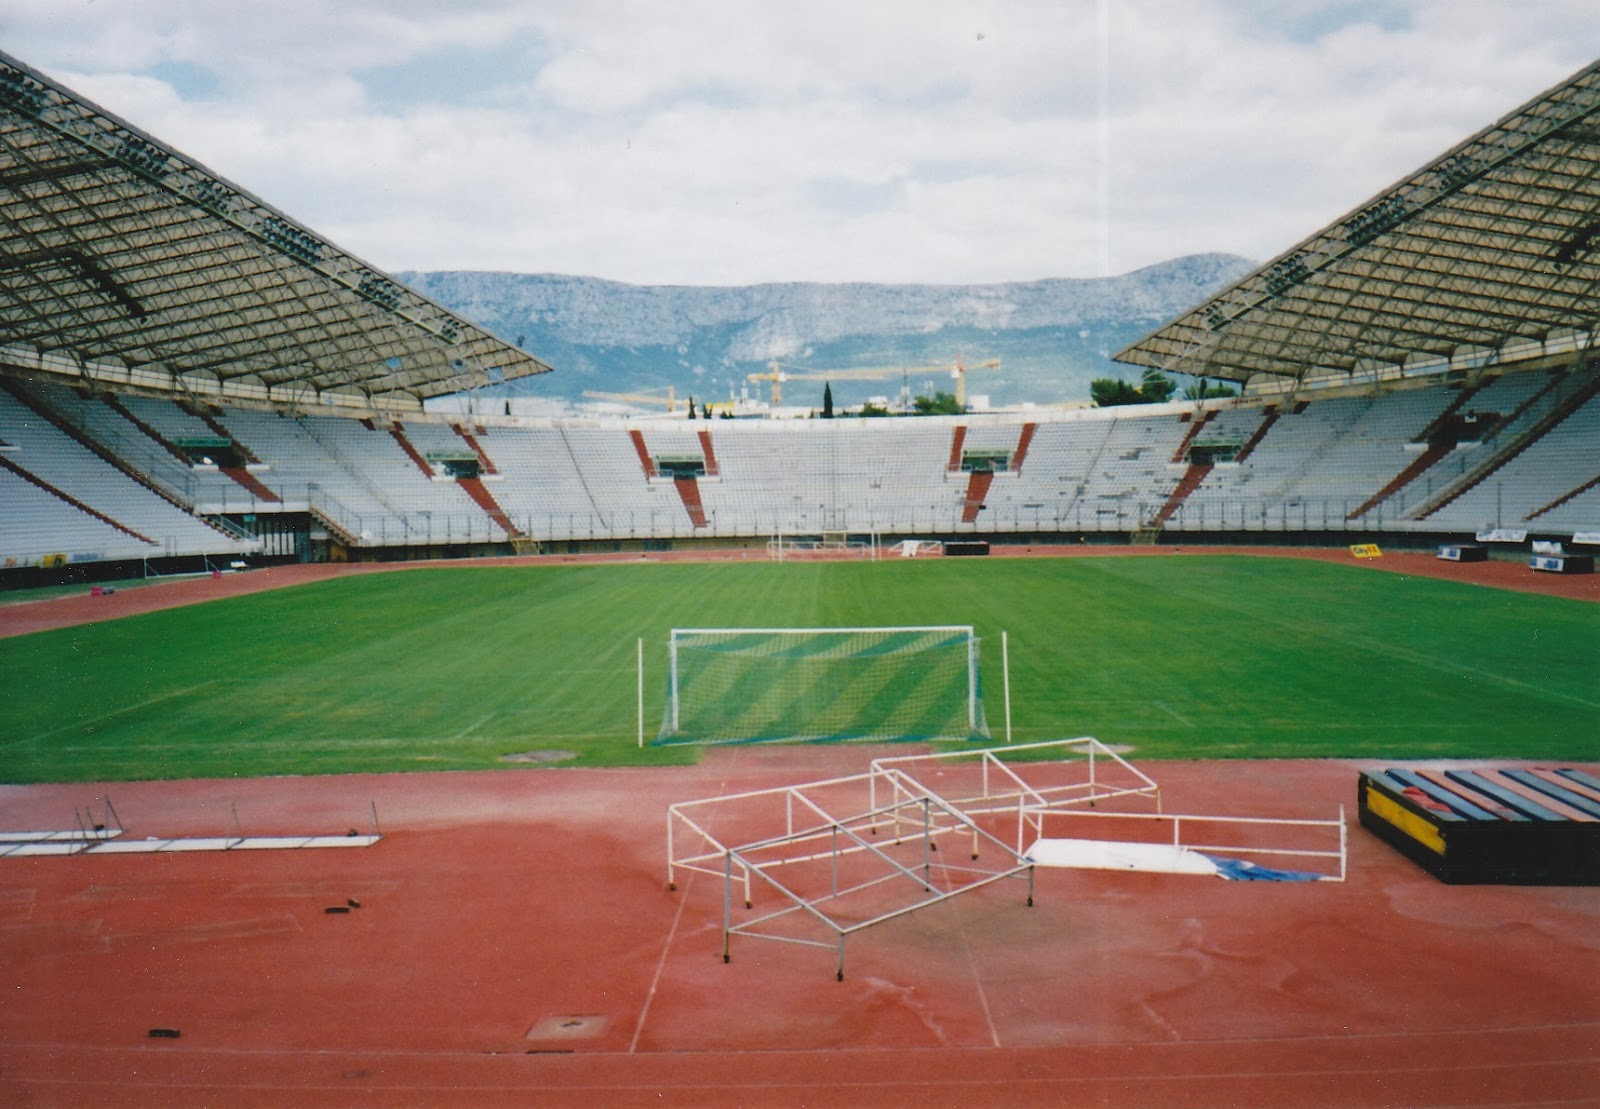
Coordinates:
column 1192, row 656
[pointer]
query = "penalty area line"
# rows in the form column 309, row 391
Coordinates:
column 84, row 722
column 666, row 949
column 475, row 725
column 1172, row 712
column 972, row 964
column 661, row 964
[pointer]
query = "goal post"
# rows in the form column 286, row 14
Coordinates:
column 753, row 685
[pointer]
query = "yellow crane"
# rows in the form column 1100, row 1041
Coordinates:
column 651, row 398
column 959, row 372
column 779, row 372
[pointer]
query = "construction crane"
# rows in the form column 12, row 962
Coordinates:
column 651, row 398
column 959, row 372
column 779, row 372
column 776, row 376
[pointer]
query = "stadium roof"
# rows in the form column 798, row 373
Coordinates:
column 1493, row 246
column 120, row 253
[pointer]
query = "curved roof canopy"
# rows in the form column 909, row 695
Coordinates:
column 1493, row 245
column 119, row 251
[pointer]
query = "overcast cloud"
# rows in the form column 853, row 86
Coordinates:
column 739, row 141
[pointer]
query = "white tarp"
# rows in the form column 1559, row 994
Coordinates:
column 1099, row 854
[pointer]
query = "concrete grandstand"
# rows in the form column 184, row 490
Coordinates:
column 187, row 374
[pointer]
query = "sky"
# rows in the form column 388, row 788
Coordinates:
column 729, row 142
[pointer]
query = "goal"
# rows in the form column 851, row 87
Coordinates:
column 753, row 685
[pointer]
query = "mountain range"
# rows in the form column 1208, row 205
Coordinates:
column 1050, row 337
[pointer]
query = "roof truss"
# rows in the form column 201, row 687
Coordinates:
column 1493, row 244
column 118, row 250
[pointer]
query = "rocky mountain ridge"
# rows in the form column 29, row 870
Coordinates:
column 1051, row 336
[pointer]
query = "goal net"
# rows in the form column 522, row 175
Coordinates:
column 752, row 685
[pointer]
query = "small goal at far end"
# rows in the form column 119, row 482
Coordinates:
column 753, row 685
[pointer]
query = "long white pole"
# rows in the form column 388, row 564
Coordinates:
column 972, row 684
column 672, row 681
column 1005, row 678
column 640, row 670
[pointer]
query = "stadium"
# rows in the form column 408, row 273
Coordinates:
column 1376, row 559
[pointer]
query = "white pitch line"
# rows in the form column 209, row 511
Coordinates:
column 114, row 712
column 972, row 964
column 1164, row 707
column 661, row 964
column 475, row 725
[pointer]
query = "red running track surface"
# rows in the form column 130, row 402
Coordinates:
column 514, row 943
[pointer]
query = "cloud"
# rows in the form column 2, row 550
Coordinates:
column 731, row 141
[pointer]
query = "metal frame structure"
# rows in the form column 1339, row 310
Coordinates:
column 1334, row 858
column 704, row 822
column 131, row 264
column 702, row 831
column 1001, row 786
column 822, row 846
column 929, row 816
column 1489, row 252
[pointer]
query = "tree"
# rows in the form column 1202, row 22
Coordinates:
column 1206, row 389
column 940, row 404
column 691, row 408
column 1153, row 388
column 1156, row 387
column 827, row 400
column 1108, row 391
column 870, row 409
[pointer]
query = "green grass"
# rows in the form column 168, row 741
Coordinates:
column 452, row 668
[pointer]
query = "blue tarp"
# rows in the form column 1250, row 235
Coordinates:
column 1241, row 870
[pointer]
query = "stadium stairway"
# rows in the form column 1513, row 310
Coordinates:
column 710, row 455
column 1441, row 440
column 206, row 416
column 398, row 430
column 643, row 452
column 473, row 445
column 475, row 489
column 111, row 402
column 1580, row 389
column 7, row 464
column 689, row 492
column 251, row 484
column 1192, row 477
column 1564, row 498
column 239, row 474
column 1024, row 440
column 1269, row 416
column 978, row 483
column 1195, row 427
column 957, row 438
column 1417, row 467
column 106, row 455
